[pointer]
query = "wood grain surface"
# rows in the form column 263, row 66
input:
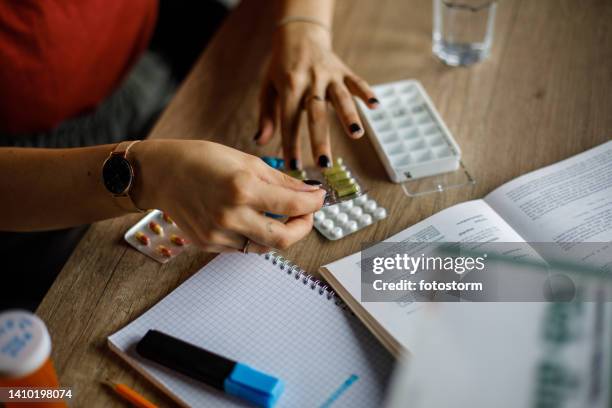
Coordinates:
column 544, row 94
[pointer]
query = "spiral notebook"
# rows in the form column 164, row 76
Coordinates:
column 264, row 311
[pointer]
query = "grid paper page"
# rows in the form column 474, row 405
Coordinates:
column 246, row 308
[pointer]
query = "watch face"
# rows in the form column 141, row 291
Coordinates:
column 117, row 174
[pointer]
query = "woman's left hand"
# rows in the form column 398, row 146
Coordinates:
column 304, row 73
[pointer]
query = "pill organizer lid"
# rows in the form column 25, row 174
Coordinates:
column 25, row 343
column 459, row 178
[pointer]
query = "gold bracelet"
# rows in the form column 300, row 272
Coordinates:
column 302, row 19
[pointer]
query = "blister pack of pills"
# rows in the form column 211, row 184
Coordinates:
column 156, row 235
column 339, row 181
column 347, row 207
column 339, row 220
column 408, row 134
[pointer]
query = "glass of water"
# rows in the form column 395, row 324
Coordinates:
column 463, row 30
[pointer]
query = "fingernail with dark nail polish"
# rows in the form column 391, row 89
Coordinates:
column 257, row 135
column 324, row 161
column 294, row 164
column 373, row 101
column 313, row 182
column 354, row 128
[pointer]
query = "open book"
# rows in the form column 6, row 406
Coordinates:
column 570, row 201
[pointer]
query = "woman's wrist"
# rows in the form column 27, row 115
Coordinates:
column 302, row 32
column 144, row 158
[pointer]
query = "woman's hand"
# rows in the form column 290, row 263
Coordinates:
column 217, row 195
column 304, row 73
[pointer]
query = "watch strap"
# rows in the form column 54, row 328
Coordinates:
column 123, row 148
column 124, row 200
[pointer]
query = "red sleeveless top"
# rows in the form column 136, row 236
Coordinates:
column 60, row 58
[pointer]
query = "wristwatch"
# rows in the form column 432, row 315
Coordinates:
column 118, row 176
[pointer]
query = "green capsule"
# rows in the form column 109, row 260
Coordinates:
column 341, row 175
column 333, row 170
column 348, row 190
column 342, row 183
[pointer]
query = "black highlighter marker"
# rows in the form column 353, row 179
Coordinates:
column 226, row 375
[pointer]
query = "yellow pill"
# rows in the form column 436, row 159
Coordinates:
column 178, row 241
column 156, row 228
column 167, row 218
column 333, row 170
column 338, row 176
column 342, row 183
column 164, row 251
column 349, row 190
column 142, row 238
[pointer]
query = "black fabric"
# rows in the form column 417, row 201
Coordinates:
column 183, row 29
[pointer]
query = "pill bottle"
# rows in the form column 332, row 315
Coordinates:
column 25, row 357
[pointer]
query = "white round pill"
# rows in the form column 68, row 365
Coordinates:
column 342, row 218
column 380, row 213
column 361, row 199
column 365, row 219
column 351, row 225
column 337, row 232
column 370, row 206
column 346, row 205
column 333, row 209
column 319, row 216
column 356, row 211
column 327, row 224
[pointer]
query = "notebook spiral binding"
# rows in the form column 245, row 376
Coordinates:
column 299, row 274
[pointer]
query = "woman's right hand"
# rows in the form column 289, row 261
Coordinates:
column 218, row 195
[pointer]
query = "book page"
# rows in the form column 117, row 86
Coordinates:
column 473, row 221
column 567, row 202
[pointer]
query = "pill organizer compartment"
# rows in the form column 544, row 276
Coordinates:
column 413, row 143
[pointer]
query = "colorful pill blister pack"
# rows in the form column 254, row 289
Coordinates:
column 408, row 134
column 156, row 235
column 340, row 183
column 339, row 220
column 347, row 208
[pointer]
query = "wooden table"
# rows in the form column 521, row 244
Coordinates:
column 544, row 95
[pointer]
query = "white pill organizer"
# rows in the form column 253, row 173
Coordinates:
column 409, row 135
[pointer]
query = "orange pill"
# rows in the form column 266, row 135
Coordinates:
column 156, row 228
column 142, row 238
column 178, row 241
column 164, row 251
column 167, row 218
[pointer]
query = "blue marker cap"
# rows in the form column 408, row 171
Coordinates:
column 259, row 388
column 275, row 162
